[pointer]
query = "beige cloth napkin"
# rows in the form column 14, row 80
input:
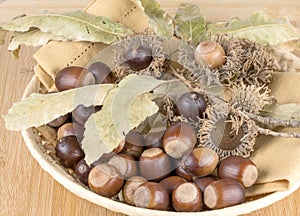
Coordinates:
column 278, row 159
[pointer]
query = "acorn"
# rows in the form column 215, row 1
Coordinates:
column 126, row 164
column 102, row 73
column 130, row 186
column 238, row 168
column 154, row 139
column 201, row 162
column 187, row 197
column 66, row 129
column 171, row 182
column 224, row 193
column 154, row 164
column 134, row 144
column 203, row 182
column 82, row 171
column 138, row 57
column 210, row 53
column 105, row 180
column 151, row 195
column 182, row 173
column 72, row 77
column 179, row 139
column 69, row 151
column 191, row 105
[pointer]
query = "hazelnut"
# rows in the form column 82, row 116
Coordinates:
column 210, row 53
column 171, row 182
column 201, row 162
column 130, row 186
column 154, row 139
column 154, row 164
column 179, row 139
column 82, row 171
column 182, row 173
column 68, row 151
column 238, row 168
column 203, row 182
column 151, row 195
column 66, row 129
column 138, row 57
column 105, row 180
column 224, row 193
column 126, row 164
column 102, row 73
column 134, row 144
column 73, row 77
column 191, row 105
column 119, row 148
column 187, row 197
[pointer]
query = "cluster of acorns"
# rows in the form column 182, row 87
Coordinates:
column 164, row 169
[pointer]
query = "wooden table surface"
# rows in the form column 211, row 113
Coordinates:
column 25, row 188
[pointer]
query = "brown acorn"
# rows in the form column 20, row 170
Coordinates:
column 224, row 193
column 238, row 168
column 151, row 195
column 187, row 197
column 201, row 162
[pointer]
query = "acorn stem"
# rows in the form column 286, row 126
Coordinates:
column 181, row 78
column 277, row 134
column 274, row 122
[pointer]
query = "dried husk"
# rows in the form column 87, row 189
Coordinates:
column 214, row 132
column 148, row 39
column 246, row 61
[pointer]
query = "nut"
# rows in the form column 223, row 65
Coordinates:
column 201, row 162
column 224, row 193
column 179, row 139
column 238, row 168
column 151, row 195
column 105, row 180
column 187, row 197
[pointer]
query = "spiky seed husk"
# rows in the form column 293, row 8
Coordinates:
column 200, row 75
column 249, row 98
column 159, row 62
column 246, row 61
column 226, row 132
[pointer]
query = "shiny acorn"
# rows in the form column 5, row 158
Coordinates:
column 210, row 53
column 224, row 193
column 238, row 168
column 151, row 195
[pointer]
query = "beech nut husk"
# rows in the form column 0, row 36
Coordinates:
column 210, row 53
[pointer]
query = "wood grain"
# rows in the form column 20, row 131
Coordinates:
column 25, row 189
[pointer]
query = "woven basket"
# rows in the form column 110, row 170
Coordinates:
column 38, row 151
